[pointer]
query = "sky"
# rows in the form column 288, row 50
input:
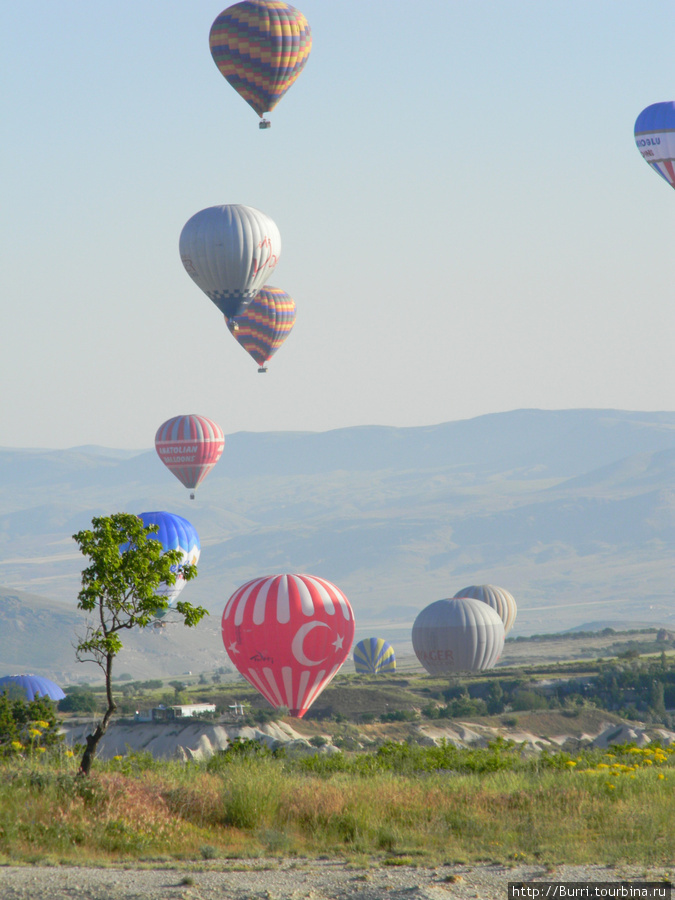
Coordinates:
column 467, row 226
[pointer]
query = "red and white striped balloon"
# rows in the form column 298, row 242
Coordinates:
column 189, row 446
column 288, row 635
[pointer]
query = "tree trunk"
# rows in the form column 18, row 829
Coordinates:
column 102, row 727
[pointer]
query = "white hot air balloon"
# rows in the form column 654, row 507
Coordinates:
column 457, row 635
column 230, row 252
column 499, row 599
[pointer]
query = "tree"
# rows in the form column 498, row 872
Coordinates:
column 177, row 690
column 127, row 567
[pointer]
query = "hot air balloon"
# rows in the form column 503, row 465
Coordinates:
column 458, row 635
column 373, row 656
column 288, row 635
column 229, row 252
column 260, row 47
column 32, row 686
column 265, row 324
column 189, row 446
column 655, row 138
column 175, row 533
column 499, row 599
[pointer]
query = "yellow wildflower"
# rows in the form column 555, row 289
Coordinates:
column 42, row 724
column 41, row 750
column 571, row 763
column 17, row 745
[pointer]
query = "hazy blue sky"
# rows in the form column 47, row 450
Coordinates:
column 467, row 225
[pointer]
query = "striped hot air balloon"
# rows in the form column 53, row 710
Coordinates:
column 265, row 324
column 499, row 599
column 189, row 446
column 374, row 656
column 457, row 635
column 260, row 47
column 175, row 533
column 288, row 635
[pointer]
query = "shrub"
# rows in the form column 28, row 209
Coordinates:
column 79, row 701
column 27, row 725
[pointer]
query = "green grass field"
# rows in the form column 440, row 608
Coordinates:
column 402, row 803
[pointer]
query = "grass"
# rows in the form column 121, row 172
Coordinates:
column 418, row 805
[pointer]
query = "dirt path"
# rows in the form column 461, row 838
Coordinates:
column 294, row 880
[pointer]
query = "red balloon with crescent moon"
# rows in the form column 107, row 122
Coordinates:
column 288, row 635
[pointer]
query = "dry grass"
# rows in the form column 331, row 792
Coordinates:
column 262, row 807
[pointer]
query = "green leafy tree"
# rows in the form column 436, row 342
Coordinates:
column 127, row 567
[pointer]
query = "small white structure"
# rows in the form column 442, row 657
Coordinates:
column 164, row 713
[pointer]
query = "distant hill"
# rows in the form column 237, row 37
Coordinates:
column 38, row 636
column 572, row 510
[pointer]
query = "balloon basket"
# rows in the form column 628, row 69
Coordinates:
column 262, row 369
column 264, row 123
column 192, row 496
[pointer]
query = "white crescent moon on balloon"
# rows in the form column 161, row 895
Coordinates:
column 298, row 641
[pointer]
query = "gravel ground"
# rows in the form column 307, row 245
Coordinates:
column 295, row 880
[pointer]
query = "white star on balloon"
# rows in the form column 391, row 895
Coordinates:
column 233, row 647
column 337, row 643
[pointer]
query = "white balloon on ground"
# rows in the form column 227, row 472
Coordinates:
column 457, row 635
column 229, row 252
column 498, row 598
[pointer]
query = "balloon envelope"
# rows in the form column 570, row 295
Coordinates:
column 373, row 656
column 229, row 252
column 189, row 446
column 655, row 138
column 499, row 599
column 457, row 635
column 260, row 47
column 175, row 533
column 288, row 635
column 265, row 323
column 32, row 686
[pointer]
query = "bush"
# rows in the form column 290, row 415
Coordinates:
column 523, row 700
column 399, row 715
column 27, row 726
column 79, row 701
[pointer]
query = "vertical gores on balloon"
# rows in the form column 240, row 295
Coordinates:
column 265, row 324
column 31, row 686
column 655, row 138
column 457, row 635
column 288, row 635
column 498, row 598
column 229, row 252
column 175, row 533
column 374, row 656
column 260, row 47
column 189, row 446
